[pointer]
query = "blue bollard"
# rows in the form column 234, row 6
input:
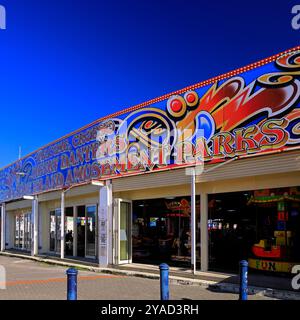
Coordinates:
column 72, row 284
column 164, row 281
column 243, row 280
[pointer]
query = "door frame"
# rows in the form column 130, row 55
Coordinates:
column 116, row 224
column 25, row 216
column 57, row 213
column 96, row 232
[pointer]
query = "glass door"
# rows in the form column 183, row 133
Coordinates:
column 55, row 231
column 52, row 231
column 123, row 240
column 23, row 232
column 17, row 232
column 90, row 231
column 69, row 227
column 81, row 226
column 86, row 231
column 27, row 232
column 55, row 218
column 58, row 232
column 80, row 231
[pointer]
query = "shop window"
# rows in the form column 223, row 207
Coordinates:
column 261, row 226
column 162, row 231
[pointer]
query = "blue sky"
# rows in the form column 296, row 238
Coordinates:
column 65, row 63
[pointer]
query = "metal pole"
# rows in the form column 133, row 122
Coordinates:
column 243, row 280
column 179, row 233
column 193, row 221
column 3, row 222
column 72, row 284
column 204, row 231
column 35, row 207
column 62, row 226
column 164, row 281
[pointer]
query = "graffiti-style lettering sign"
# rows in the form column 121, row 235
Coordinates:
column 254, row 110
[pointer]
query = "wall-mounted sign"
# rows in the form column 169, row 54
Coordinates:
column 254, row 110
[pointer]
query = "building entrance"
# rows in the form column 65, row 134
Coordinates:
column 80, row 231
column 162, row 231
column 23, row 231
column 86, row 225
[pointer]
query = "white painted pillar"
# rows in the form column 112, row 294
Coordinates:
column 193, row 221
column 104, row 212
column 3, row 225
column 62, row 226
column 110, row 224
column 204, row 231
column 40, row 244
column 35, row 214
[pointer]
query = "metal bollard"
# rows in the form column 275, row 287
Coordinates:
column 243, row 280
column 164, row 281
column 72, row 284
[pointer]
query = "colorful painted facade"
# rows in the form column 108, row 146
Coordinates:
column 250, row 111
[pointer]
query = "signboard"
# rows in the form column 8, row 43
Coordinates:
column 268, row 265
column 252, row 110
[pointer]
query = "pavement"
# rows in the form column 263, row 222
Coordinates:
column 35, row 280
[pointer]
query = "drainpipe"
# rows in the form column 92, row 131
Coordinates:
column 193, row 221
